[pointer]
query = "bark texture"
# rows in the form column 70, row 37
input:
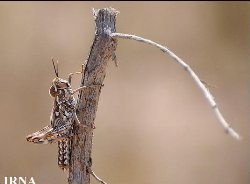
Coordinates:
column 102, row 50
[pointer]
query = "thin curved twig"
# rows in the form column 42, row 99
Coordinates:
column 95, row 176
column 196, row 79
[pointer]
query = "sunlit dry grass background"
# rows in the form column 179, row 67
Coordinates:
column 153, row 124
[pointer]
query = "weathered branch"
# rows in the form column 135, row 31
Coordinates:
column 102, row 50
column 196, row 79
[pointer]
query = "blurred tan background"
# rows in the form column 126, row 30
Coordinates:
column 153, row 123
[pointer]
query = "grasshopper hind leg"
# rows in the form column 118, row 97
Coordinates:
column 41, row 136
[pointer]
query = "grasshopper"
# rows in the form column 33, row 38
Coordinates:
column 62, row 119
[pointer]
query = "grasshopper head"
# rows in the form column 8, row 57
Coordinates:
column 57, row 83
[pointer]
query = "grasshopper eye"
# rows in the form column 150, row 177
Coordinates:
column 62, row 85
column 52, row 91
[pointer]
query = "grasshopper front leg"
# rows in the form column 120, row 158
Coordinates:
column 71, row 74
column 85, row 87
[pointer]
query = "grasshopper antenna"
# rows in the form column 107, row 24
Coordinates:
column 55, row 67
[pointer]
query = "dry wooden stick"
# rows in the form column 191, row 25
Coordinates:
column 196, row 79
column 102, row 50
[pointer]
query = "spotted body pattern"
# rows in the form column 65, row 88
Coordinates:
column 63, row 116
column 62, row 119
